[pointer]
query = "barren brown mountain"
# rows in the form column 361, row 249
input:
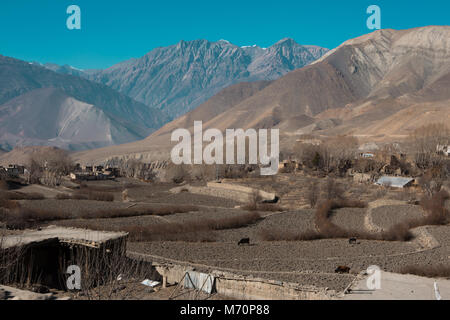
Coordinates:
column 378, row 87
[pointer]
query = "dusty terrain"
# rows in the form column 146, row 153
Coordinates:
column 303, row 262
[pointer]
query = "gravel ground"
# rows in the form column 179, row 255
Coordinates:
column 152, row 220
column 204, row 213
column 304, row 262
column 441, row 234
column 387, row 216
column 284, row 261
column 349, row 218
column 108, row 224
column 295, row 222
column 193, row 199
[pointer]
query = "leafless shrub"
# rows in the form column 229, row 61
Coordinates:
column 254, row 199
column 22, row 218
column 134, row 168
column 193, row 231
column 430, row 184
column 15, row 195
column 96, row 196
column 332, row 190
column 49, row 166
column 367, row 165
column 333, row 155
column 107, row 272
column 424, row 141
column 75, row 196
column 398, row 232
column 9, row 204
column 235, row 171
column 437, row 213
column 4, row 185
column 288, row 168
column 177, row 173
column 312, row 193
column 9, row 260
column 136, row 212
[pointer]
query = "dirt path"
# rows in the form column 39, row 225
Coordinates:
column 423, row 240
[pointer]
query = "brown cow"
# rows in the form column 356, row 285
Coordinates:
column 342, row 269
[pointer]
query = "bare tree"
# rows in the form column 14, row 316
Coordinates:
column 9, row 260
column 106, row 272
column 341, row 151
column 133, row 168
column 424, row 142
column 49, row 166
column 429, row 184
column 334, row 154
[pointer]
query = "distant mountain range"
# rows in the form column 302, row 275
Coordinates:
column 178, row 78
column 48, row 104
column 378, row 87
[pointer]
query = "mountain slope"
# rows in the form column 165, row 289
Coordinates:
column 378, row 87
column 24, row 104
column 50, row 117
column 400, row 67
column 18, row 77
column 179, row 78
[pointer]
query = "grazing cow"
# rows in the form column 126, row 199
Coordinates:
column 244, row 241
column 352, row 241
column 342, row 269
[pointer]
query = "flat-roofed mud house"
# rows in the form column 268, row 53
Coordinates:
column 43, row 256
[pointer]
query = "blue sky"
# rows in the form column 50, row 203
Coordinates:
column 113, row 31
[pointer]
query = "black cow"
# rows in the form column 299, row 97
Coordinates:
column 342, row 269
column 244, row 241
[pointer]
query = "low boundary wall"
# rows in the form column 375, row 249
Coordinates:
column 243, row 287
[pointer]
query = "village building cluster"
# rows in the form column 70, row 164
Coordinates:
column 12, row 171
column 87, row 173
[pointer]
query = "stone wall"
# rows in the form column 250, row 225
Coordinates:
column 247, row 287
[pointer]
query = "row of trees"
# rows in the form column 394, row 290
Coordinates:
column 423, row 144
column 338, row 154
column 334, row 154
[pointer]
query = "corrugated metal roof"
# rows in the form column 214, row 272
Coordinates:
column 396, row 182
